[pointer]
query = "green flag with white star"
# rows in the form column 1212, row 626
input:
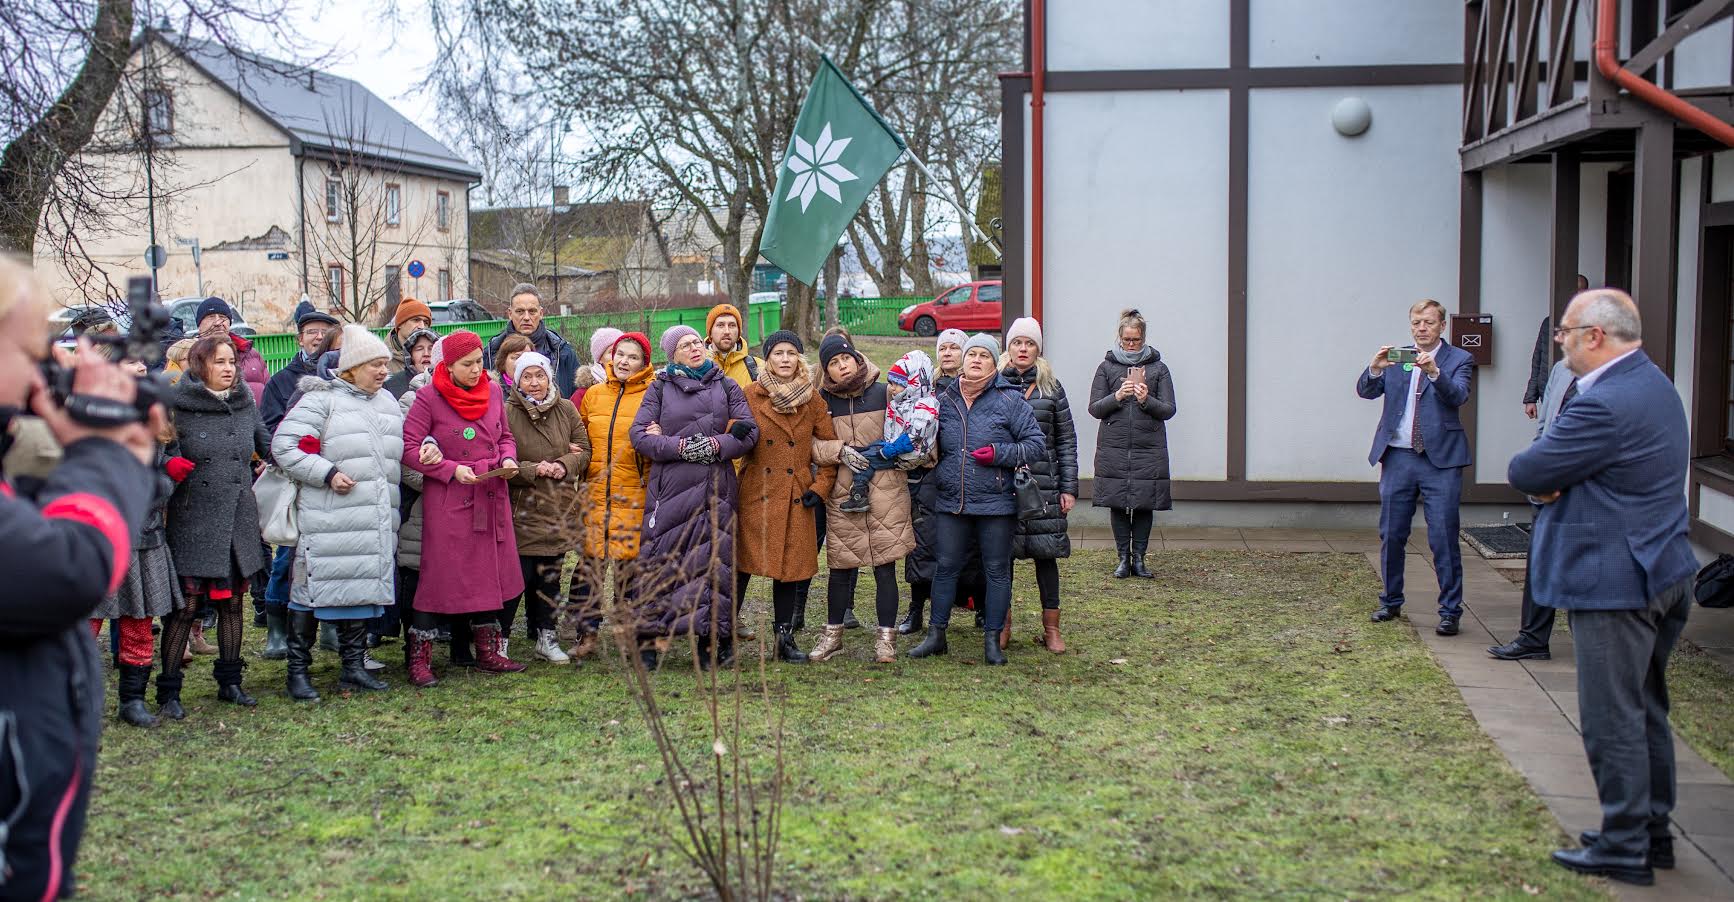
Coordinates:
column 839, row 151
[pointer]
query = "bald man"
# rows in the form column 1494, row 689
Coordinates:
column 1610, row 547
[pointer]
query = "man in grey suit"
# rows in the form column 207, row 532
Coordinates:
column 1610, row 547
column 1536, row 633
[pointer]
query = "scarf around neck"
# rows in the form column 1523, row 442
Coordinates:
column 971, row 388
column 544, row 405
column 1133, row 358
column 865, row 375
column 691, row 372
column 787, row 395
column 470, row 403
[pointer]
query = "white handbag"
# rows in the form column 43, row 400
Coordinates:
column 276, row 494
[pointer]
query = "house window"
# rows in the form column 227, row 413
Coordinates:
column 393, row 205
column 443, row 212
column 393, row 286
column 445, row 285
column 334, row 283
column 333, row 200
column 159, row 109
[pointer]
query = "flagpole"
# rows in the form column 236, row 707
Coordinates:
column 963, row 215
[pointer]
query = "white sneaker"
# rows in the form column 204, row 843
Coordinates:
column 369, row 664
column 548, row 648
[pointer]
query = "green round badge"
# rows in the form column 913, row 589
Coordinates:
column 469, row 432
column 1407, row 367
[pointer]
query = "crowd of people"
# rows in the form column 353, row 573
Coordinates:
column 439, row 485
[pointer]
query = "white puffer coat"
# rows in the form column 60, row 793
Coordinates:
column 348, row 548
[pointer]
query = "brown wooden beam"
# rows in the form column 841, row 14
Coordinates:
column 1563, row 232
column 1653, row 238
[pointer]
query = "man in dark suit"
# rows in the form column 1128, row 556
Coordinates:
column 1421, row 451
column 1610, row 547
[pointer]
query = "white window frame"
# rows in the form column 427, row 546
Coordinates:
column 445, row 284
column 159, row 110
column 334, row 282
column 443, row 211
column 333, row 200
column 393, row 204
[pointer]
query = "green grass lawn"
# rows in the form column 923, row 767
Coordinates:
column 1235, row 728
column 1699, row 690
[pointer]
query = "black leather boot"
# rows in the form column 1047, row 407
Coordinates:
column 1136, row 560
column 228, row 677
column 298, row 641
column 1125, row 567
column 990, row 651
column 131, row 691
column 169, row 695
column 911, row 622
column 352, row 646
column 934, row 644
column 801, row 605
column 849, row 621
column 787, row 651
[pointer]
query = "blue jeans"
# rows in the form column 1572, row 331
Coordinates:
column 876, row 461
column 277, row 587
column 1404, row 478
column 960, row 534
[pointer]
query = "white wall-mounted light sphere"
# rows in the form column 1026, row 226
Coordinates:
column 1351, row 117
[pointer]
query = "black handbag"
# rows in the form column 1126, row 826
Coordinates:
column 1029, row 494
column 1715, row 584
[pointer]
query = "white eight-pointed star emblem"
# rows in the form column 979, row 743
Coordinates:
column 816, row 169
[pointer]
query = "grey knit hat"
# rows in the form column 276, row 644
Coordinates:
column 983, row 340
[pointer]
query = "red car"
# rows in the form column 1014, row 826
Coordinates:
column 972, row 307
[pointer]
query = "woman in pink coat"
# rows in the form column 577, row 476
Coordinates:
column 469, row 555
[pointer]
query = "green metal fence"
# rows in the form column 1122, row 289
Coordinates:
column 872, row 316
column 762, row 320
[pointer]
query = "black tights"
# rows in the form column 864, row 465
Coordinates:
column 1131, row 530
column 541, row 589
column 427, row 623
column 784, row 598
column 840, row 594
column 178, row 627
column 1047, row 582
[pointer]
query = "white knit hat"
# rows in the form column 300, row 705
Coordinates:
column 529, row 359
column 1024, row 327
column 360, row 346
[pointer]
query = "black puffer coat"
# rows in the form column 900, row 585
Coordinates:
column 1132, row 444
column 1057, row 472
column 922, row 565
column 213, row 520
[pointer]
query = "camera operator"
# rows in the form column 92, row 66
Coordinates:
column 62, row 549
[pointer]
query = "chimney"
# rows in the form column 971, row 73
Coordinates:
column 562, row 195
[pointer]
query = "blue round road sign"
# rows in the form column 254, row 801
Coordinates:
column 416, row 269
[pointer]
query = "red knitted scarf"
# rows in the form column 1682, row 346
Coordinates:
column 470, row 403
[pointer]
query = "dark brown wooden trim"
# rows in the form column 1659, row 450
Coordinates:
column 1713, row 215
column 1715, row 471
column 1711, row 538
column 1653, row 238
column 1012, row 91
column 1469, row 284
column 1255, row 78
column 1239, row 53
column 1302, row 492
column 1710, row 358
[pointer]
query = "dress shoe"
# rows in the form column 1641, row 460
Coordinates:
column 1624, row 868
column 1447, row 626
column 1661, row 848
column 1517, row 651
column 1386, row 613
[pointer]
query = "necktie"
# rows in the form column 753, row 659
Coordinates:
column 1570, row 393
column 1415, row 423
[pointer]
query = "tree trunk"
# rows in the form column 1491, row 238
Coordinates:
column 920, row 265
column 833, row 272
column 799, row 313
column 30, row 164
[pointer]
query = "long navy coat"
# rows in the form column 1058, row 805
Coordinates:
column 1001, row 418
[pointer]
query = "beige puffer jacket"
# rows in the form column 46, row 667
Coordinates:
column 885, row 532
column 409, row 535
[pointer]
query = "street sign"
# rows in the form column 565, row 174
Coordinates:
column 416, row 270
column 155, row 256
column 277, row 255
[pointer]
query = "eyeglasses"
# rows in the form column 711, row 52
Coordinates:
column 686, row 343
column 1559, row 331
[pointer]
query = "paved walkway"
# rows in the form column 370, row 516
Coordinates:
column 1529, row 708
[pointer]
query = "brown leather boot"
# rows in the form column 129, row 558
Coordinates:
column 1005, row 632
column 1051, row 632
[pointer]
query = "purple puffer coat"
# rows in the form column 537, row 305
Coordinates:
column 687, row 555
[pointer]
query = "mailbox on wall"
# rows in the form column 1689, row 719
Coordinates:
column 1475, row 335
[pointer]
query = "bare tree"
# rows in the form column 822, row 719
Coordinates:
column 356, row 211
column 77, row 97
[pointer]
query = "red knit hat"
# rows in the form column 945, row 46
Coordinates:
column 454, row 346
column 639, row 337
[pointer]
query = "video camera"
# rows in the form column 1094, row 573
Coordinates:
column 138, row 342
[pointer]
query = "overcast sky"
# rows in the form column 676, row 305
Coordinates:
column 388, row 57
